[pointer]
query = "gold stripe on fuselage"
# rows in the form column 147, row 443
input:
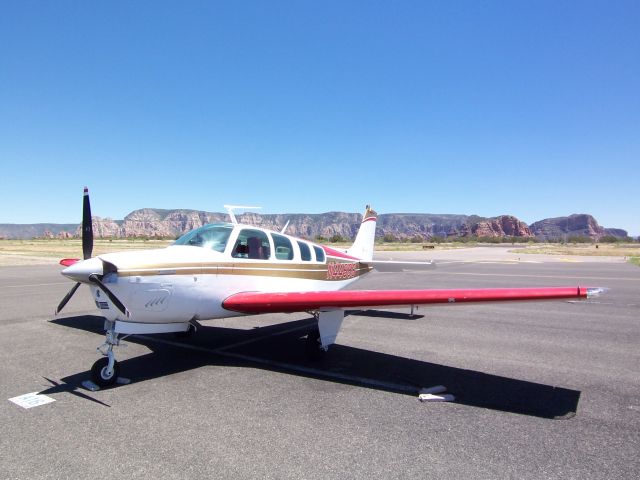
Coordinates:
column 265, row 269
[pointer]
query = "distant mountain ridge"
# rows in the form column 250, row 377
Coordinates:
column 580, row 225
column 36, row 230
column 150, row 222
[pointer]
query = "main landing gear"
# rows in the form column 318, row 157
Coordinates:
column 313, row 346
column 189, row 332
column 324, row 335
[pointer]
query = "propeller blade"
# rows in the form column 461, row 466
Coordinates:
column 87, row 227
column 67, row 297
column 94, row 278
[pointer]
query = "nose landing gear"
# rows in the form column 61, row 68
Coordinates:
column 105, row 371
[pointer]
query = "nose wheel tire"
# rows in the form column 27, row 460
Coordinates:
column 99, row 374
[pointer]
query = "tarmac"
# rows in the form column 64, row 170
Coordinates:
column 542, row 389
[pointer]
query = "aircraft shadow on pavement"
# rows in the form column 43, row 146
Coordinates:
column 281, row 348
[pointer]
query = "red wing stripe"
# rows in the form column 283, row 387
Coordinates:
column 254, row 302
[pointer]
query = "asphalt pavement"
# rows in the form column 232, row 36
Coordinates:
column 543, row 389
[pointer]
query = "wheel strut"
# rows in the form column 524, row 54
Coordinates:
column 104, row 372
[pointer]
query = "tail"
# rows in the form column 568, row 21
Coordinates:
column 362, row 248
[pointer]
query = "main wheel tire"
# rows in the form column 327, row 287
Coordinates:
column 99, row 373
column 313, row 346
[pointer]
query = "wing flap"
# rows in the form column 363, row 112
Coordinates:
column 287, row 302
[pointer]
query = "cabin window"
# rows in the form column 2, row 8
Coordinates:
column 305, row 251
column 319, row 253
column 282, row 246
column 213, row 236
column 252, row 244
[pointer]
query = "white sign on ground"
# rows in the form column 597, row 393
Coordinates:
column 30, row 400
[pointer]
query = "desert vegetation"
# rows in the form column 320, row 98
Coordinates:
column 39, row 251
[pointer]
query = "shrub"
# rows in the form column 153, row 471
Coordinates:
column 579, row 239
column 337, row 239
column 609, row 239
column 389, row 238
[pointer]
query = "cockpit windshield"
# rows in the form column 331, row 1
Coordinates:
column 213, row 236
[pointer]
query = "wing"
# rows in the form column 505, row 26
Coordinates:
column 286, row 302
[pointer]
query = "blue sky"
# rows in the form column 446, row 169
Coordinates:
column 475, row 107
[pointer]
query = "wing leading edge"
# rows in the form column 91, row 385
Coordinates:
column 287, row 302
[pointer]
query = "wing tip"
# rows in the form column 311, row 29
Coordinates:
column 594, row 292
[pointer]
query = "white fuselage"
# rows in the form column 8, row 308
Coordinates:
column 184, row 282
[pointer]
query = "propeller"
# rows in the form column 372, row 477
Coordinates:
column 67, row 297
column 87, row 250
column 87, row 227
column 94, row 278
column 87, row 244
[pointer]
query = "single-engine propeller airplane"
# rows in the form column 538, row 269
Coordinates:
column 229, row 269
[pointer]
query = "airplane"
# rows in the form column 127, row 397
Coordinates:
column 230, row 269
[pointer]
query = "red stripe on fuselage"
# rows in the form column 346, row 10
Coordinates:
column 335, row 253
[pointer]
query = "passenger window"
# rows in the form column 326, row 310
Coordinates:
column 252, row 244
column 319, row 253
column 305, row 251
column 282, row 245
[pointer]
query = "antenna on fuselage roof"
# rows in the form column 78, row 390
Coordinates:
column 231, row 208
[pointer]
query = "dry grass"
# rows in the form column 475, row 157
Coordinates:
column 588, row 249
column 51, row 251
column 43, row 251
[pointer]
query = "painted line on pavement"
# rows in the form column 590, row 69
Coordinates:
column 286, row 366
column 36, row 285
column 472, row 274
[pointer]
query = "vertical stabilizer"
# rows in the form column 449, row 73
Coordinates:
column 362, row 248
